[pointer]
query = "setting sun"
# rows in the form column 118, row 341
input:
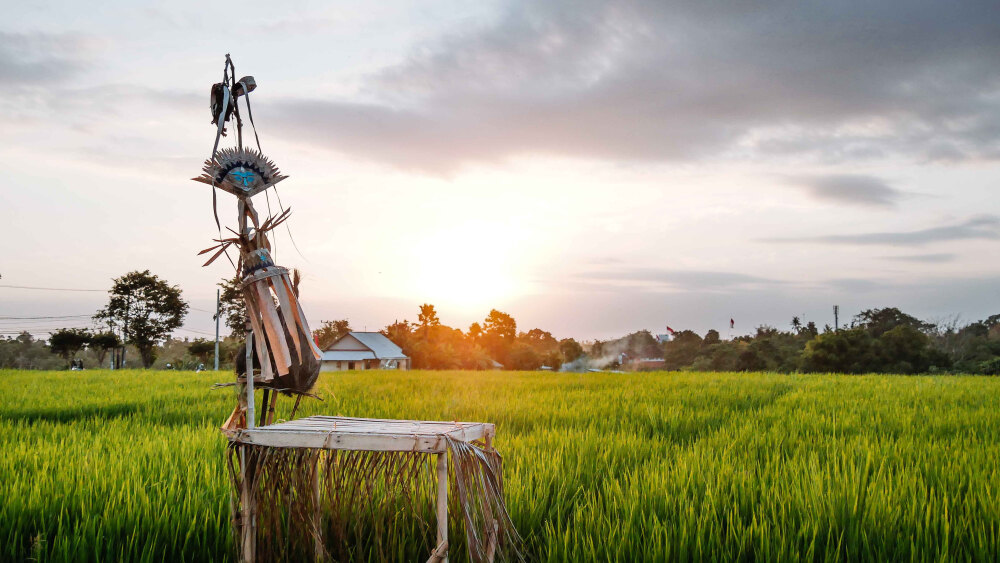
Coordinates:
column 467, row 267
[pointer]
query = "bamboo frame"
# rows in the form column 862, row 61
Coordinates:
column 441, row 551
column 318, row 438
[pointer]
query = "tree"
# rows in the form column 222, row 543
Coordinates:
column 201, row 349
column 750, row 360
column 101, row 342
column 810, row 331
column 500, row 324
column 499, row 334
column 428, row 316
column 233, row 308
column 330, row 332
column 904, row 349
column 400, row 334
column 570, row 349
column 25, row 352
column 144, row 309
column 475, row 331
column 847, row 351
column 523, row 356
column 711, row 337
column 879, row 321
column 68, row 341
column 682, row 350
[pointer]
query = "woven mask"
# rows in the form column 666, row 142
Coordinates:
column 241, row 172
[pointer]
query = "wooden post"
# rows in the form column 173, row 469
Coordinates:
column 251, row 411
column 249, row 529
column 217, row 307
column 270, row 408
column 442, row 503
column 263, row 407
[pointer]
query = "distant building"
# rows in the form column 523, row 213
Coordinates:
column 364, row 350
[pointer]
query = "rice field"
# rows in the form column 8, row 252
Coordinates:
column 104, row 466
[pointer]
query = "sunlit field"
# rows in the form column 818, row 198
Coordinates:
column 105, row 466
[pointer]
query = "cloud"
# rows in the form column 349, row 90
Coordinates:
column 32, row 59
column 925, row 258
column 657, row 278
column 651, row 81
column 852, row 189
column 984, row 227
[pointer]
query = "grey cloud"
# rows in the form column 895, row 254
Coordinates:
column 925, row 258
column 650, row 81
column 29, row 59
column 857, row 285
column 675, row 279
column 985, row 227
column 851, row 189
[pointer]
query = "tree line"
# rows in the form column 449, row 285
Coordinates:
column 143, row 310
column 876, row 341
column 494, row 343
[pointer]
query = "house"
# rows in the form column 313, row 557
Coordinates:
column 363, row 350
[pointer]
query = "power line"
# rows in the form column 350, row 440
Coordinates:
column 6, row 318
column 49, row 288
column 196, row 331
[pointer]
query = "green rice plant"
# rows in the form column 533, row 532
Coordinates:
column 129, row 465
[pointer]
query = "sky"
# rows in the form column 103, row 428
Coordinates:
column 592, row 168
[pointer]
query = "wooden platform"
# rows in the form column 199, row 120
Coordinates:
column 370, row 434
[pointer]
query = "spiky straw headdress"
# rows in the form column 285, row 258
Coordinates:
column 242, row 172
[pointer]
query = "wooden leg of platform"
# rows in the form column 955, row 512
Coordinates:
column 442, row 507
column 488, row 440
column 246, row 502
column 317, row 511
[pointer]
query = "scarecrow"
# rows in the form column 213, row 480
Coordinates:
column 297, row 482
column 283, row 348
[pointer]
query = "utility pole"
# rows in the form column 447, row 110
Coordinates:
column 836, row 318
column 216, row 330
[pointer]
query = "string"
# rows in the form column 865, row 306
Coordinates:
column 281, row 206
column 290, row 237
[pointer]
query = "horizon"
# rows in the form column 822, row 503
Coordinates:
column 590, row 171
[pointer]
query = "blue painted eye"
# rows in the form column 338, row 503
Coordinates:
column 244, row 177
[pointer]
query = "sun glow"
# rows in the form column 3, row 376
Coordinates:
column 468, row 266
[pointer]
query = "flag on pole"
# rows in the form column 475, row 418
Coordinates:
column 671, row 331
column 732, row 323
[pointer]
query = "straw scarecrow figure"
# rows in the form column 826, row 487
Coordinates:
column 283, row 348
column 367, row 483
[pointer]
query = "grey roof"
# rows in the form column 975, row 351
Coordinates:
column 347, row 355
column 382, row 347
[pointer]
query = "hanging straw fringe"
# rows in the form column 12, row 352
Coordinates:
column 342, row 505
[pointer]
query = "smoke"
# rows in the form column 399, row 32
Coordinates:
column 617, row 353
column 611, row 357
